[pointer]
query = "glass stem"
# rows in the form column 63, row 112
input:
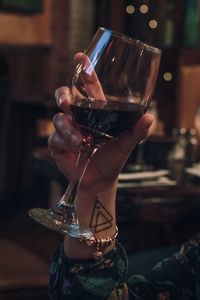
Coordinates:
column 65, row 210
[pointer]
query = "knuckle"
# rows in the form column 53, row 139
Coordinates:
column 57, row 117
column 59, row 91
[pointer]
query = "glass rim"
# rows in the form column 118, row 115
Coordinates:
column 131, row 39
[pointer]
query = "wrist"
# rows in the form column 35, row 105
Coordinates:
column 95, row 211
column 94, row 208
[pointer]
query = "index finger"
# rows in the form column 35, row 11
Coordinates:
column 89, row 77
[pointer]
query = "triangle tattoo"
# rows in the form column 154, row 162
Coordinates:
column 101, row 219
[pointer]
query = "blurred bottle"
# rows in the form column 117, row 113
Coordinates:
column 177, row 155
column 184, row 152
column 169, row 24
column 191, row 147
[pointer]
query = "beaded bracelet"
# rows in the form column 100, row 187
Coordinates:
column 100, row 244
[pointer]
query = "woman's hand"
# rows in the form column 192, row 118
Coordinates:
column 106, row 164
column 95, row 202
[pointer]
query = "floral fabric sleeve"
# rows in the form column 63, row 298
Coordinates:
column 175, row 278
column 75, row 279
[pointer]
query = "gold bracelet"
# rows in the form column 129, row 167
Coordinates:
column 100, row 244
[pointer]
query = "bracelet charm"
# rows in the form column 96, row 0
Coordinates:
column 100, row 244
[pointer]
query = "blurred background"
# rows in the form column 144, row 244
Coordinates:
column 38, row 39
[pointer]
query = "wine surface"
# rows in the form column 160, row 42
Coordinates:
column 103, row 120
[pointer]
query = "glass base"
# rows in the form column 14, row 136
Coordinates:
column 45, row 218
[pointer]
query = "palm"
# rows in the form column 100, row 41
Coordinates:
column 109, row 159
column 103, row 168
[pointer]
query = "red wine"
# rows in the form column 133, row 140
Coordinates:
column 103, row 120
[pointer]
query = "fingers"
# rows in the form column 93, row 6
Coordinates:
column 63, row 98
column 90, row 82
column 66, row 138
column 89, row 77
column 140, row 131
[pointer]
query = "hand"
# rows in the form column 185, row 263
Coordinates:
column 99, row 183
column 66, row 142
column 106, row 164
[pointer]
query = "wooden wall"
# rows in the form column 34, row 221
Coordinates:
column 25, row 29
column 39, row 49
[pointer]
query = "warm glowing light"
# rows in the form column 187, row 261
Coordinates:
column 153, row 24
column 193, row 141
column 130, row 9
column 167, row 76
column 144, row 9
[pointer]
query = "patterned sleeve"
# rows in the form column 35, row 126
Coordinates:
column 175, row 278
column 75, row 279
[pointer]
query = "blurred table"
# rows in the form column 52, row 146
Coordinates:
column 162, row 190
column 157, row 212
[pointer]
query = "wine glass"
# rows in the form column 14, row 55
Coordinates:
column 111, row 89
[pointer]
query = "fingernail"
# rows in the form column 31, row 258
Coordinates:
column 61, row 99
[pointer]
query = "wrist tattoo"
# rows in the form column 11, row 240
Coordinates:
column 101, row 219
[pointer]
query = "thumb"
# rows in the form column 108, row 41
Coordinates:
column 139, row 132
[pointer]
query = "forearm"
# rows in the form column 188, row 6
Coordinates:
column 96, row 210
